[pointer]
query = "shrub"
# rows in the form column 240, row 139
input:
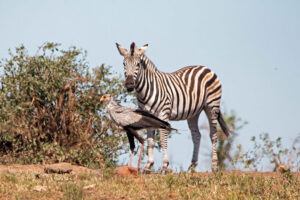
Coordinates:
column 50, row 109
column 268, row 153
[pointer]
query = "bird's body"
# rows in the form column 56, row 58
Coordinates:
column 131, row 120
column 134, row 118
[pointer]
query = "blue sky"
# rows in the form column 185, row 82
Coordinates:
column 253, row 46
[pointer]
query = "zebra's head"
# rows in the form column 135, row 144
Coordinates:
column 132, row 60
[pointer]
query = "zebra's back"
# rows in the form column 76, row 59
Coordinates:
column 193, row 88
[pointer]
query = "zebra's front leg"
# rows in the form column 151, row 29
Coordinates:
column 150, row 141
column 164, row 143
column 196, row 136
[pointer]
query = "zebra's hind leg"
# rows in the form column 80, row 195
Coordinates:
column 196, row 136
column 212, row 115
column 150, row 141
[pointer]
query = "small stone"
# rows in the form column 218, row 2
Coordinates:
column 40, row 188
column 88, row 187
column 37, row 176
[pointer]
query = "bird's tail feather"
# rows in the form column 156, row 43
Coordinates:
column 171, row 129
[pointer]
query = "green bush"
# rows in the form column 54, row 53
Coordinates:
column 268, row 154
column 50, row 109
column 224, row 148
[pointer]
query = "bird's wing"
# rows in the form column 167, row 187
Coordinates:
column 147, row 120
column 147, row 114
column 136, row 118
column 122, row 109
column 125, row 116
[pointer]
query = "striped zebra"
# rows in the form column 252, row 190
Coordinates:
column 180, row 95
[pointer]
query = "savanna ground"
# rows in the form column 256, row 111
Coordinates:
column 31, row 182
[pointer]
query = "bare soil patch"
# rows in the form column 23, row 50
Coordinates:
column 62, row 168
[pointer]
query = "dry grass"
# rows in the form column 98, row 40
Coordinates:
column 88, row 185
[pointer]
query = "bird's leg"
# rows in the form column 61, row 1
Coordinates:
column 140, row 156
column 132, row 145
column 141, row 140
column 130, row 160
column 131, row 133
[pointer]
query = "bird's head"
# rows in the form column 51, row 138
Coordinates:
column 106, row 98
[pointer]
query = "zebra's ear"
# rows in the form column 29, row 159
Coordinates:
column 132, row 48
column 143, row 48
column 122, row 50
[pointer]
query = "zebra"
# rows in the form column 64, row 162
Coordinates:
column 180, row 95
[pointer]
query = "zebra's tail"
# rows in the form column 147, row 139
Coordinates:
column 223, row 125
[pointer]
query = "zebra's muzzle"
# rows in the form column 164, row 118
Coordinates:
column 129, row 83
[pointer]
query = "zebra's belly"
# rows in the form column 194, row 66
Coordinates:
column 177, row 115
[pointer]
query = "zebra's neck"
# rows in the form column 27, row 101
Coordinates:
column 146, row 80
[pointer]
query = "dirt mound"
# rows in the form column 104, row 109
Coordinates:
column 59, row 168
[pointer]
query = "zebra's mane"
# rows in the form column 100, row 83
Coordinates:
column 147, row 63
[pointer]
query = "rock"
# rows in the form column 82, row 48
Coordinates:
column 59, row 168
column 40, row 188
column 139, row 180
column 37, row 176
column 126, row 171
column 88, row 187
column 173, row 195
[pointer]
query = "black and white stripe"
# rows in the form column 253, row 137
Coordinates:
column 180, row 95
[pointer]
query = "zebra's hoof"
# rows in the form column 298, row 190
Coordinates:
column 215, row 169
column 165, row 171
column 192, row 168
column 147, row 171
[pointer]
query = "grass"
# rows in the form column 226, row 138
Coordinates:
column 226, row 185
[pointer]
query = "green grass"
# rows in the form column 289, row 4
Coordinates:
column 227, row 185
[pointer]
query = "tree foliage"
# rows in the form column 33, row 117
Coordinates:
column 269, row 155
column 224, row 148
column 265, row 155
column 50, row 109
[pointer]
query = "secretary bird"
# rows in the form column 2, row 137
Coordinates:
column 131, row 120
